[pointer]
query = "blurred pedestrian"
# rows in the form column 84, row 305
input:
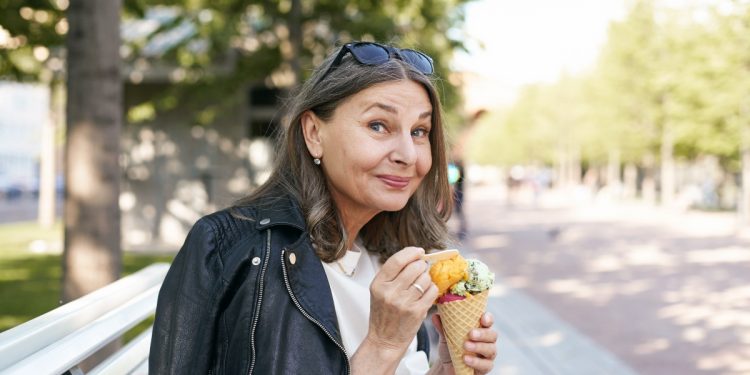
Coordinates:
column 320, row 270
column 456, row 176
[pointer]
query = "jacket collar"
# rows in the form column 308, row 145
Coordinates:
column 279, row 210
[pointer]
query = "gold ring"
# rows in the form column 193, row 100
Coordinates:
column 418, row 287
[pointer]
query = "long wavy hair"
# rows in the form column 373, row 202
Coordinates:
column 422, row 222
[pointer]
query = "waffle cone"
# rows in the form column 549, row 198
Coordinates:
column 458, row 318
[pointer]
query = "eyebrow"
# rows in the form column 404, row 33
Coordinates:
column 393, row 109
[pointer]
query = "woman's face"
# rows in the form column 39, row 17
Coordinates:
column 375, row 150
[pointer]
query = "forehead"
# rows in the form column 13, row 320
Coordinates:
column 403, row 95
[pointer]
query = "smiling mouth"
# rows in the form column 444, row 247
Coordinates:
column 395, row 181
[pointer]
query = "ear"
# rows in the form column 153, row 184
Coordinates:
column 311, row 129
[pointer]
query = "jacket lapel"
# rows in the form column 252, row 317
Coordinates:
column 309, row 283
column 306, row 277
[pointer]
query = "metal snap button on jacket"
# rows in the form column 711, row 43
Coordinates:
column 265, row 221
column 256, row 261
column 292, row 258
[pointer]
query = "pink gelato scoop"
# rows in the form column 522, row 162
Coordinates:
column 450, row 297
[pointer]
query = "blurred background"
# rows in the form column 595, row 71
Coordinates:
column 600, row 149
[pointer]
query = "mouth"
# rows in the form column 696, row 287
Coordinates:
column 395, row 182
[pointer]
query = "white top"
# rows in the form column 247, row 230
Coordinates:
column 350, row 280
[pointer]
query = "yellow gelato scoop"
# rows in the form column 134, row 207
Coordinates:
column 447, row 272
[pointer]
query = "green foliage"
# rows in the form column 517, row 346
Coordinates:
column 30, row 31
column 229, row 43
column 685, row 72
column 30, row 283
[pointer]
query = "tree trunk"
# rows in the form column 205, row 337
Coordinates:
column 575, row 166
column 47, row 172
column 560, row 168
column 667, row 168
column 743, row 206
column 631, row 181
column 92, row 256
column 613, row 169
column 648, row 187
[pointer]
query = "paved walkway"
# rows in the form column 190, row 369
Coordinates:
column 534, row 341
column 666, row 292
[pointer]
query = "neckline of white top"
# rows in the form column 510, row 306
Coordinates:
column 348, row 263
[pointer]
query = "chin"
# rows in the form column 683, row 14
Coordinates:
column 395, row 204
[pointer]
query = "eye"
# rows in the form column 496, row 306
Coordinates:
column 377, row 126
column 420, row 133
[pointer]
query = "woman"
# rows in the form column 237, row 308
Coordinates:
column 317, row 271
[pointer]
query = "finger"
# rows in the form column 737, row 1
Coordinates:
column 438, row 324
column 429, row 296
column 410, row 273
column 393, row 266
column 424, row 281
column 483, row 335
column 482, row 365
column 487, row 320
column 484, row 349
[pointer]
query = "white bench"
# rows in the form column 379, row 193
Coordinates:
column 59, row 340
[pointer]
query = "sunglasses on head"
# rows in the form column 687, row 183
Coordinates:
column 369, row 53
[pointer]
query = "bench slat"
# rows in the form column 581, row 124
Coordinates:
column 127, row 359
column 72, row 349
column 32, row 336
column 142, row 369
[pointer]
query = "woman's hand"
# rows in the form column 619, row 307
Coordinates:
column 482, row 341
column 400, row 296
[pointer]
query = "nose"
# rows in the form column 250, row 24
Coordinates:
column 404, row 151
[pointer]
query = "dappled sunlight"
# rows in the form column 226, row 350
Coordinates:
column 729, row 254
column 599, row 293
column 178, row 173
column 551, row 339
column 649, row 255
column 494, row 241
column 729, row 361
column 652, row 346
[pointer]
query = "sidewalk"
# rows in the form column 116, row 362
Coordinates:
column 534, row 341
column 664, row 291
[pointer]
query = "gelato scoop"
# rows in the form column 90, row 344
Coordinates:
column 461, row 277
column 479, row 279
column 447, row 272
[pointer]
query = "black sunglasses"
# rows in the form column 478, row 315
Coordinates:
column 369, row 53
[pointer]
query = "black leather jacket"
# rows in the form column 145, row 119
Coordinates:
column 249, row 297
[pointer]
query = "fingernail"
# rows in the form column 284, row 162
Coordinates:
column 469, row 345
column 468, row 359
column 475, row 334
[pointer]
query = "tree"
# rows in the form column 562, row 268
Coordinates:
column 92, row 256
column 278, row 42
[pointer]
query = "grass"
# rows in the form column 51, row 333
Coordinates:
column 30, row 282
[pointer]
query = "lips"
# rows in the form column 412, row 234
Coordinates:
column 395, row 182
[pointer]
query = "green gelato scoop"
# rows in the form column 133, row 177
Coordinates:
column 480, row 279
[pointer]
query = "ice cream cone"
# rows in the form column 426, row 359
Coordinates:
column 459, row 318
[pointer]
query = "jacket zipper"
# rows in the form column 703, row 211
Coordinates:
column 260, row 300
column 310, row 318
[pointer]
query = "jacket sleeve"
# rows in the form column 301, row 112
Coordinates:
column 184, row 333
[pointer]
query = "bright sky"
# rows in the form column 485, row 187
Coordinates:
column 532, row 41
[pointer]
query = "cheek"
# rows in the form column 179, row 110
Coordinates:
column 359, row 160
column 424, row 162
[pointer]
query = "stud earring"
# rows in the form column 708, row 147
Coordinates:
column 316, row 161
